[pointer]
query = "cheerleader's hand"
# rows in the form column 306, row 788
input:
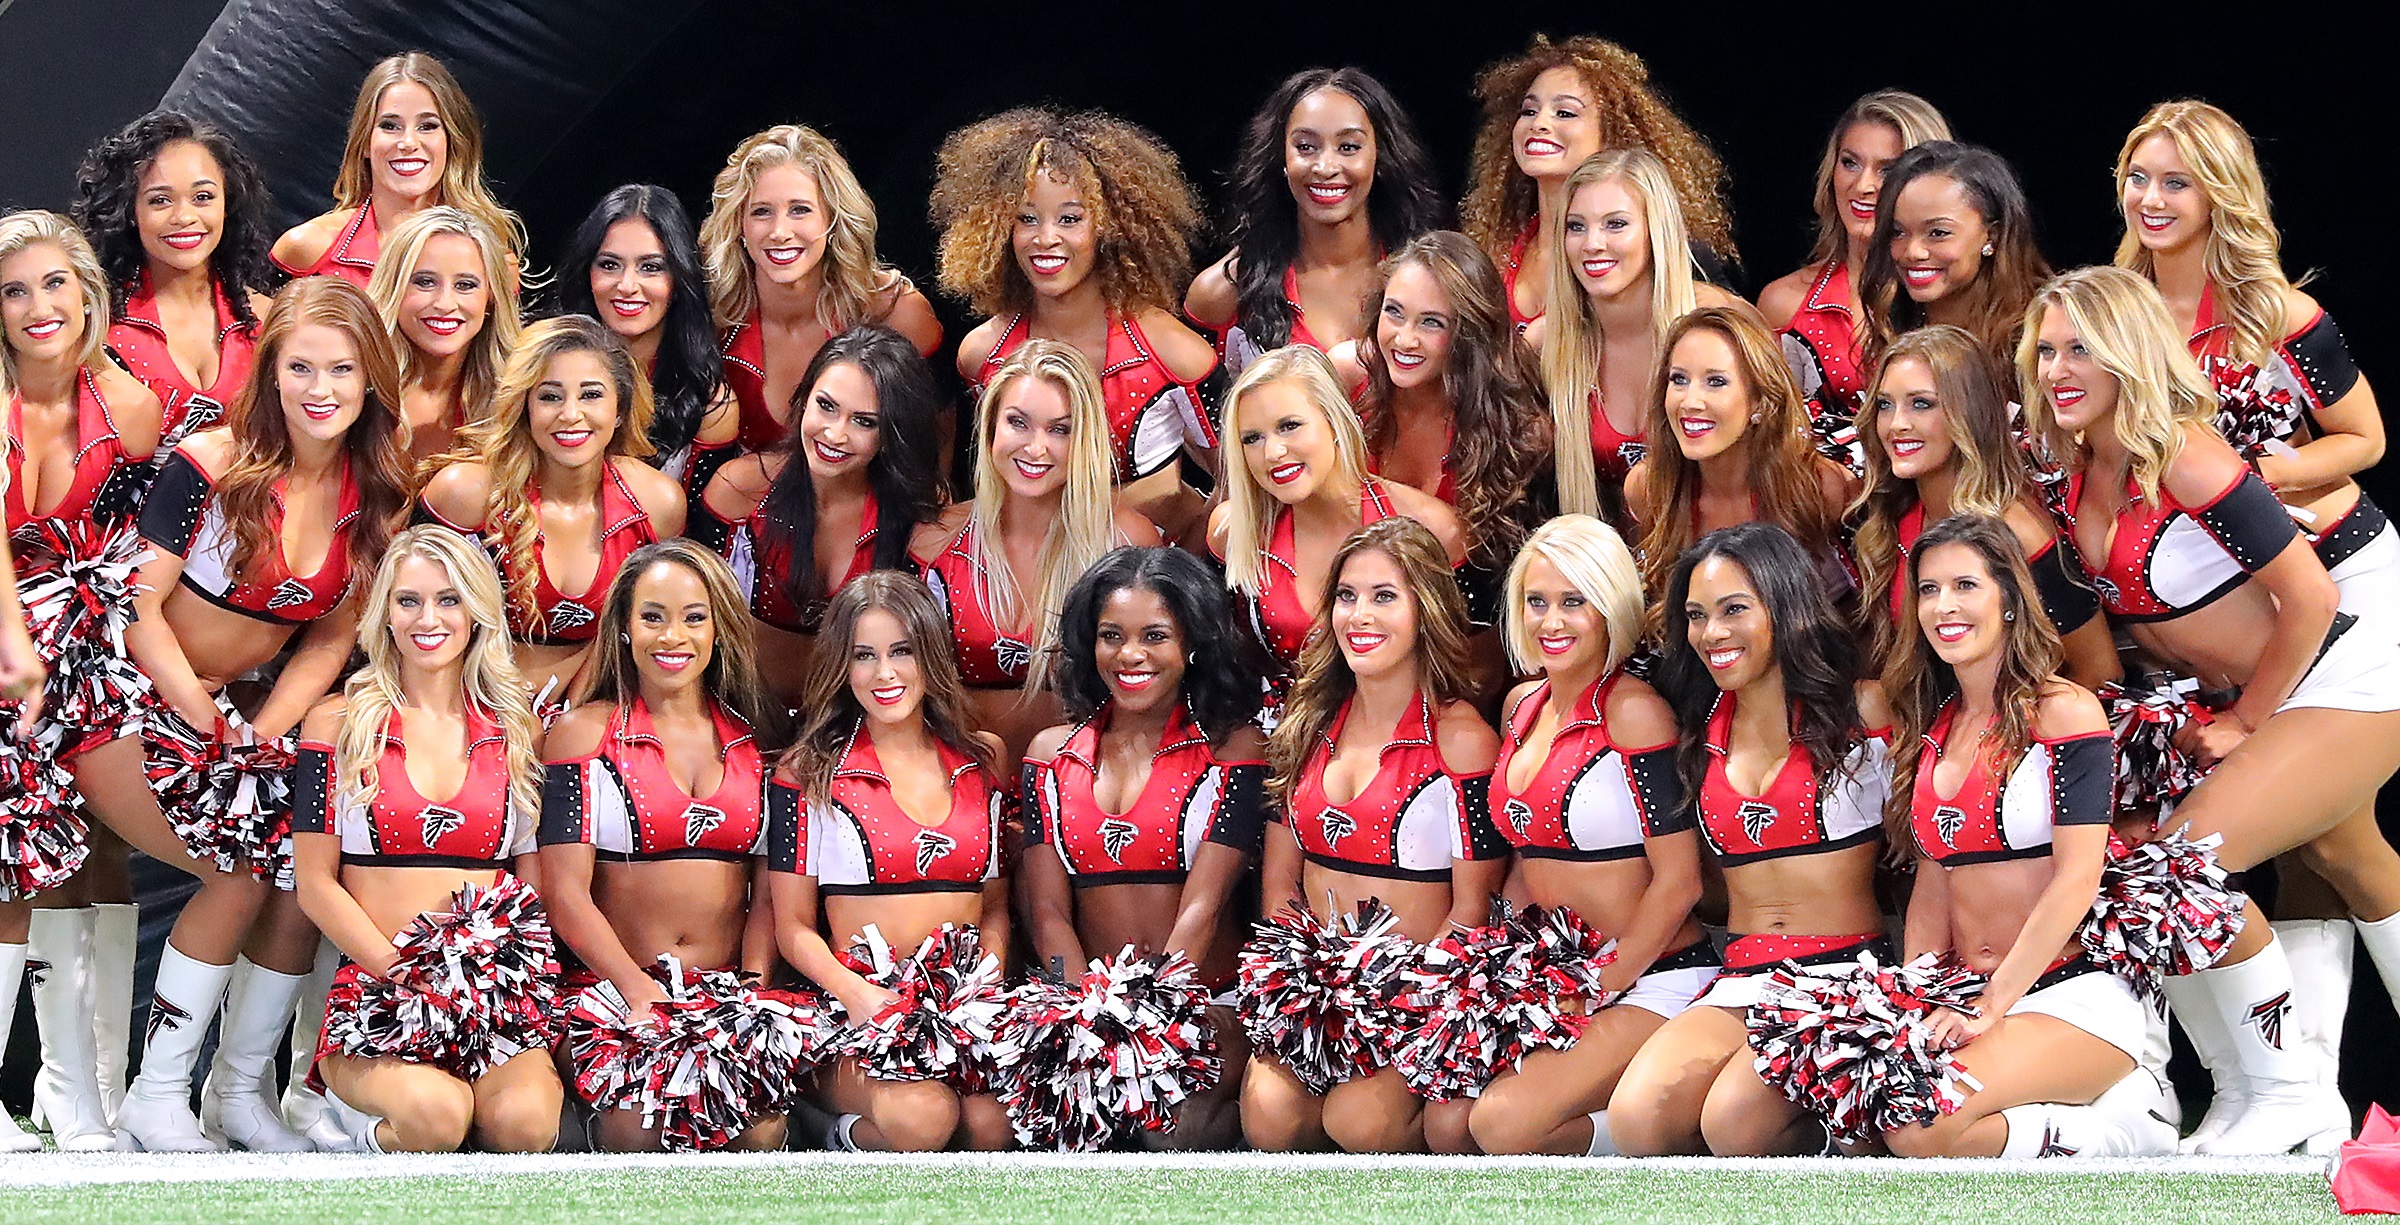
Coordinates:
column 1618, row 977
column 867, row 1003
column 639, row 1002
column 2211, row 742
column 1952, row 1029
column 23, row 679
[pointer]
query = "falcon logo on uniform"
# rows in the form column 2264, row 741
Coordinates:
column 164, row 1014
column 199, row 413
column 699, row 821
column 1337, row 825
column 2052, row 1146
column 1116, row 833
column 1946, row 821
column 2107, row 590
column 35, row 970
column 1631, row 453
column 2268, row 1016
column 290, row 593
column 569, row 615
column 1520, row 817
column 932, row 844
column 1011, row 653
column 438, row 820
column 1755, row 818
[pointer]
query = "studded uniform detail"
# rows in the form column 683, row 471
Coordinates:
column 2057, row 577
column 1821, row 345
column 988, row 657
column 1191, row 797
column 352, row 255
column 566, row 620
column 1613, row 454
column 108, row 484
column 1510, row 268
column 2055, row 782
column 761, row 558
column 1151, row 413
column 1591, row 799
column 2168, row 559
column 1282, row 622
column 401, row 828
column 139, row 343
column 184, row 517
column 1803, row 811
column 1410, row 821
column 862, row 842
column 625, row 802
column 2314, row 363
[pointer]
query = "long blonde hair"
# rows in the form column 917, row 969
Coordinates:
column 2242, row 253
column 489, row 673
column 502, row 320
column 855, row 277
column 1594, row 560
column 1250, row 510
column 21, row 230
column 1915, row 119
column 2160, row 389
column 463, row 186
column 1085, row 528
column 1571, row 357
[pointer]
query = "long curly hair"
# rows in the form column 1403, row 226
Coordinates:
column 502, row 322
column 2160, row 389
column 855, row 277
column 1322, row 680
column 1913, row 118
column 729, row 678
column 1143, row 212
column 1501, row 427
column 21, row 230
column 2008, row 276
column 463, row 185
column 1403, row 200
column 111, row 177
column 1220, row 675
column 1633, row 114
column 2244, row 253
column 1919, row 682
column 1249, row 509
column 503, row 443
column 689, row 373
column 830, row 712
column 376, row 444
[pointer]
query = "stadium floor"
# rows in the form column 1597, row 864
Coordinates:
column 787, row 1187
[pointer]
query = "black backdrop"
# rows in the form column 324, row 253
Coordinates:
column 579, row 97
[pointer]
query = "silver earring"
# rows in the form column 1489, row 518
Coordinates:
column 627, row 639
column 1987, row 248
column 2009, row 616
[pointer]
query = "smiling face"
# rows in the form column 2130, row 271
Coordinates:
column 1286, row 443
column 1031, row 427
column 573, row 410
column 1329, row 156
column 673, row 631
column 179, row 206
column 840, row 423
column 884, row 676
column 1138, row 647
column 1938, row 236
column 1960, row 607
column 2166, row 209
column 1727, row 624
column 1708, row 400
column 1866, row 150
column 1055, row 243
column 1374, row 615
column 321, row 383
column 1413, row 327
column 1568, row 628
column 410, row 148
column 2080, row 391
column 430, row 625
column 1608, row 238
column 1910, row 421
column 447, row 299
column 783, row 225
column 630, row 281
column 41, row 303
column 1556, row 128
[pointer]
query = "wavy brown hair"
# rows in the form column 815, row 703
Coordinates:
column 1913, row 118
column 831, row 713
column 730, row 678
column 2008, row 276
column 463, row 185
column 1144, row 213
column 858, row 286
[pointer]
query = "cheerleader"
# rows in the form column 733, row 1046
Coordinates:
column 2008, row 808
column 414, row 143
column 901, row 851
column 1301, row 489
column 259, row 533
column 1816, row 308
column 637, row 253
column 1789, row 797
column 21, row 679
column 863, row 483
column 449, row 294
column 1000, row 566
column 645, row 858
column 1620, row 281
column 176, row 212
column 1953, row 244
column 553, row 481
column 383, row 869
column 1545, row 113
column 1378, row 714
column 2173, row 527
column 1330, row 176
column 1585, row 791
column 1078, row 229
column 1143, row 816
column 1938, row 442
column 790, row 247
column 1741, row 450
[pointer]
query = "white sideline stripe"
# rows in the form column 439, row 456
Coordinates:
column 97, row 1169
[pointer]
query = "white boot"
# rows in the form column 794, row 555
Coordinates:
column 116, row 931
column 13, row 1139
column 2158, row 1048
column 301, row 1104
column 2382, row 938
column 2197, row 1014
column 2289, row 1105
column 2322, row 952
column 1603, row 1144
column 2127, row 1121
column 157, row 1115
column 67, row 1092
column 352, row 1129
column 237, row 1107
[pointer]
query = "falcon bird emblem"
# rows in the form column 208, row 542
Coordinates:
column 1337, row 826
column 1520, row 816
column 699, row 821
column 1116, row 833
column 932, row 844
column 290, row 593
column 1756, row 817
column 1947, row 821
column 438, row 820
column 569, row 616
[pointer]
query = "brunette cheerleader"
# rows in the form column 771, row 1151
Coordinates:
column 2173, row 527
column 2008, row 767
column 901, row 852
column 654, row 821
column 383, row 867
column 840, row 495
column 790, row 247
column 636, row 252
column 553, row 481
column 1330, row 176
column 1953, row 244
column 1143, row 816
column 1377, row 717
column 448, row 292
column 1783, row 749
column 1078, row 229
column 414, row 143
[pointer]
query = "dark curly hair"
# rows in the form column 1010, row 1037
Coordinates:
column 1403, row 201
column 1220, row 678
column 1143, row 211
column 689, row 372
column 110, row 178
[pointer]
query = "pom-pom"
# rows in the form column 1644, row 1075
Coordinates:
column 2163, row 909
column 227, row 795
column 1529, row 981
column 2251, row 414
column 2145, row 713
column 1323, row 1000
column 42, row 837
column 941, row 1026
column 77, row 583
column 1107, row 1055
column 1852, row 1042
column 471, row 989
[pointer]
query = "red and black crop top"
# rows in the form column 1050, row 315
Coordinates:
column 352, row 255
column 2167, row 559
column 1592, row 799
column 139, row 342
column 1410, row 822
column 1800, row 813
column 1613, row 453
column 1510, row 267
column 1239, row 348
column 1191, row 797
column 862, row 842
column 1151, row 413
column 988, row 657
column 108, row 482
column 184, row 516
column 571, row 621
column 2313, row 365
column 2056, row 782
column 1821, row 346
column 2056, row 576
column 1283, row 624
column 399, row 828
column 623, row 800
column 763, row 563
column 744, row 350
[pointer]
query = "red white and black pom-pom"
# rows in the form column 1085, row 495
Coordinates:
column 76, row 581
column 1483, row 998
column 941, row 1027
column 2250, row 414
column 1835, row 432
column 227, row 795
column 472, row 987
column 2144, row 715
column 1852, row 1043
column 702, row 1066
column 1322, row 999
column 2163, row 909
column 42, row 836
column 1106, row 1055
